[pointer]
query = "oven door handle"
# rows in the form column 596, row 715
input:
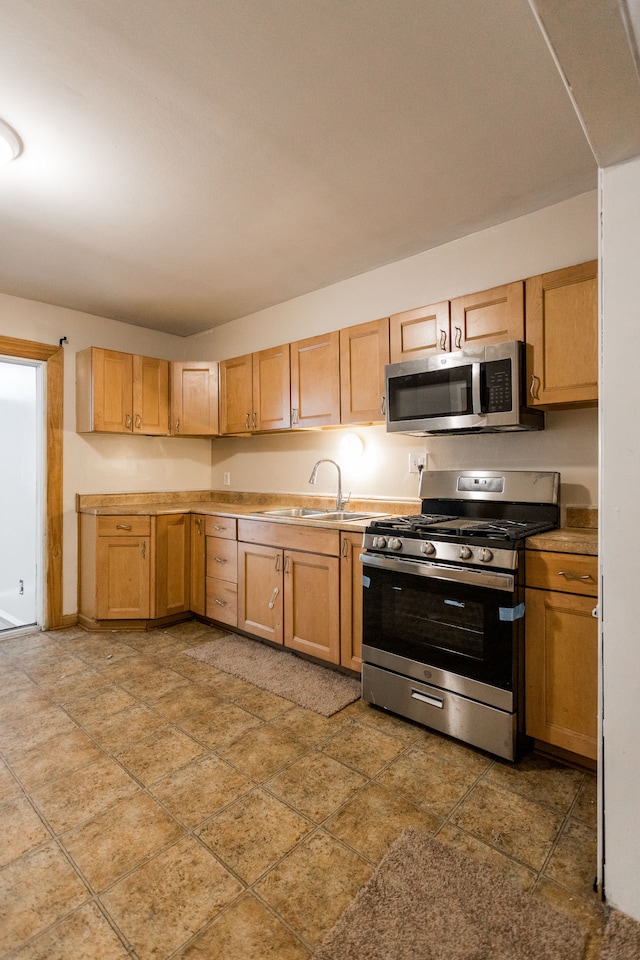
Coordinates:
column 441, row 571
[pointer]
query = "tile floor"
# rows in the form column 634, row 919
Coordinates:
column 154, row 807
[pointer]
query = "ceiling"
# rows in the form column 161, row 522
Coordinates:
column 189, row 163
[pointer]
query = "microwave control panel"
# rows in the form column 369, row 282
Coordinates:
column 497, row 393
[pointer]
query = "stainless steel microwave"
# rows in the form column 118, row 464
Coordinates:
column 474, row 390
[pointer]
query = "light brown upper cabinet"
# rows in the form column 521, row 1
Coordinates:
column 562, row 337
column 419, row 333
column 255, row 392
column 364, row 350
column 194, row 398
column 491, row 316
column 121, row 393
column 315, row 381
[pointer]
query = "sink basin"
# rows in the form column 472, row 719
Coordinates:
column 345, row 515
column 293, row 512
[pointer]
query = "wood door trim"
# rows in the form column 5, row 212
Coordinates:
column 53, row 357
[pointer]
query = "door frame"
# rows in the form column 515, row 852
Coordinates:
column 53, row 358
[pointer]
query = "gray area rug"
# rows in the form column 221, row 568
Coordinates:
column 621, row 938
column 426, row 901
column 311, row 686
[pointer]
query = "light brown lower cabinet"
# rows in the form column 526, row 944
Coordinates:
column 351, row 601
column 562, row 651
column 198, row 563
column 289, row 595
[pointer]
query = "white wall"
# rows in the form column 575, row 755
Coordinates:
column 620, row 531
column 557, row 236
column 104, row 464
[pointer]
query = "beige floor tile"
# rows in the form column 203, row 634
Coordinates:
column 80, row 795
column 263, row 704
column 36, row 891
column 246, row 931
column 199, row 790
column 159, row 754
column 162, row 904
column 120, row 838
column 254, row 833
column 118, row 730
column 376, row 817
column 316, row 785
column 50, row 672
column 79, row 684
column 473, row 760
column 152, row 687
column 515, row 825
column 539, row 779
column 574, row 861
column 84, row 935
column 224, row 684
column 314, row 884
column 585, row 808
column 310, row 727
column 103, row 652
column 22, row 829
column 219, row 724
column 99, row 705
column 23, row 733
column 56, row 757
column 21, row 697
column 9, row 786
column 473, row 847
column 365, row 749
column 261, row 752
column 432, row 783
column 193, row 698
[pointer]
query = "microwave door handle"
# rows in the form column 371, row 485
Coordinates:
column 476, row 399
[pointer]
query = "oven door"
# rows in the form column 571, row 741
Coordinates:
column 458, row 622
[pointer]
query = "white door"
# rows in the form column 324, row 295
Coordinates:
column 20, row 443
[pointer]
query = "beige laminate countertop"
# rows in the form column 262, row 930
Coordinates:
column 567, row 540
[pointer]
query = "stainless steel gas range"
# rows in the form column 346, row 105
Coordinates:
column 443, row 607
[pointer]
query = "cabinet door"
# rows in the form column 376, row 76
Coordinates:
column 351, row 601
column 236, row 394
column 104, row 391
column 194, row 398
column 272, row 389
column 315, row 381
column 364, row 350
column 171, row 556
column 312, row 604
column 197, row 567
column 562, row 671
column 562, row 337
column 260, row 591
column 123, row 578
column 491, row 316
column 150, row 396
column 419, row 333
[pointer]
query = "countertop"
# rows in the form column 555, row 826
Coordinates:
column 567, row 540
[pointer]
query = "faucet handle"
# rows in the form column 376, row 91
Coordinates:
column 344, row 501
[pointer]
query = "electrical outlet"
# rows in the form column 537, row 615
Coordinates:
column 417, row 462
column 227, row 478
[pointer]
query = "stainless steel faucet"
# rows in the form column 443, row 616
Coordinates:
column 341, row 501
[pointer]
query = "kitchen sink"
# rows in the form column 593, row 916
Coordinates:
column 300, row 513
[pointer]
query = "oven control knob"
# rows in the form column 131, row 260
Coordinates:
column 379, row 543
column 428, row 548
column 484, row 554
column 395, row 543
column 465, row 552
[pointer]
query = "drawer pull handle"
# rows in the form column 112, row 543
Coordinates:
column 574, row 576
column 535, row 386
column 127, row 421
column 273, row 598
column 123, row 526
column 216, row 527
column 144, row 549
column 458, row 342
column 220, row 559
column 432, row 701
column 443, row 340
column 221, row 603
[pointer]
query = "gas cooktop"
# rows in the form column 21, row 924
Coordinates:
column 452, row 526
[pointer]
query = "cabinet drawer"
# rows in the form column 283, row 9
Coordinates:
column 290, row 536
column 124, row 526
column 222, row 559
column 220, row 527
column 222, row 601
column 566, row 572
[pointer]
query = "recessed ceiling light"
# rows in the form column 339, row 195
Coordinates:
column 10, row 143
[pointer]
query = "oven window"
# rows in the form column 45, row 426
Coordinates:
column 434, row 393
column 451, row 626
